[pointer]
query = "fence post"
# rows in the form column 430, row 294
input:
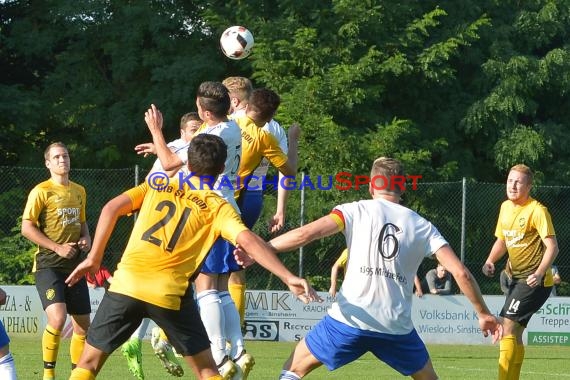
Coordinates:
column 302, row 217
column 136, row 184
column 463, row 216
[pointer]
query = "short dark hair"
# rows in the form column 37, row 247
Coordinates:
column 207, row 155
column 215, row 98
column 59, row 144
column 264, row 102
column 189, row 117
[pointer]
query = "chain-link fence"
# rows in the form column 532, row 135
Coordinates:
column 465, row 213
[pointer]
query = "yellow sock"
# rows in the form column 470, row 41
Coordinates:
column 215, row 377
column 81, row 374
column 237, row 292
column 50, row 348
column 163, row 335
column 507, row 349
column 515, row 370
column 76, row 348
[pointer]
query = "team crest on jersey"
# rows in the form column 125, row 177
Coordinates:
column 50, row 294
column 522, row 222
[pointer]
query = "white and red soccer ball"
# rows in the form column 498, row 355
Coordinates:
column 236, row 42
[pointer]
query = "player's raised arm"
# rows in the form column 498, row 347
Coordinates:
column 168, row 159
column 265, row 256
column 298, row 237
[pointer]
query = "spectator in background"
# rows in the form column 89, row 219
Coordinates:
column 556, row 279
column 506, row 278
column 7, row 367
column 439, row 281
column 418, row 291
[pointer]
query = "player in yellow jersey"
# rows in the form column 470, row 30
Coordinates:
column 54, row 219
column 525, row 232
column 257, row 143
column 176, row 227
column 173, row 157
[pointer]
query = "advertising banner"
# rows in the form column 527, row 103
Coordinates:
column 279, row 316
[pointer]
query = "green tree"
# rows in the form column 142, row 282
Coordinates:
column 17, row 258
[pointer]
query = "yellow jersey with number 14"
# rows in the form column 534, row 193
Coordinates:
column 174, row 231
column 522, row 228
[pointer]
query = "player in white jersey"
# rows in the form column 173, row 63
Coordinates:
column 386, row 243
column 176, row 157
column 226, row 183
column 213, row 103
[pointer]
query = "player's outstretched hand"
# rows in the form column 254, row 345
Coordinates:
column 145, row 149
column 87, row 265
column 153, row 118
column 301, row 288
column 242, row 258
column 488, row 269
column 294, row 131
column 491, row 325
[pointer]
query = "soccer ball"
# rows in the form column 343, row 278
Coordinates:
column 236, row 42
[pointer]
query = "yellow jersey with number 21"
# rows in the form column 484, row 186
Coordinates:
column 174, row 231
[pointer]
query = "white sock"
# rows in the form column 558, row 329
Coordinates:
column 233, row 325
column 288, row 375
column 214, row 321
column 140, row 332
column 7, row 367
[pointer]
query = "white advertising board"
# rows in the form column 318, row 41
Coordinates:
column 278, row 316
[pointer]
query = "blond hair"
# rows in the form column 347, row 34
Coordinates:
column 389, row 169
column 239, row 87
column 522, row 168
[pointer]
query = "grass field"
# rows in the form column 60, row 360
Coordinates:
column 451, row 362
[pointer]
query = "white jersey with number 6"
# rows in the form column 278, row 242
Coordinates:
column 386, row 244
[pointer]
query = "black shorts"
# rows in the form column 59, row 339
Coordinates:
column 52, row 288
column 523, row 301
column 119, row 316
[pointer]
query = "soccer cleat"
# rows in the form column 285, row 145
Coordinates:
column 244, row 363
column 164, row 352
column 131, row 350
column 227, row 369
